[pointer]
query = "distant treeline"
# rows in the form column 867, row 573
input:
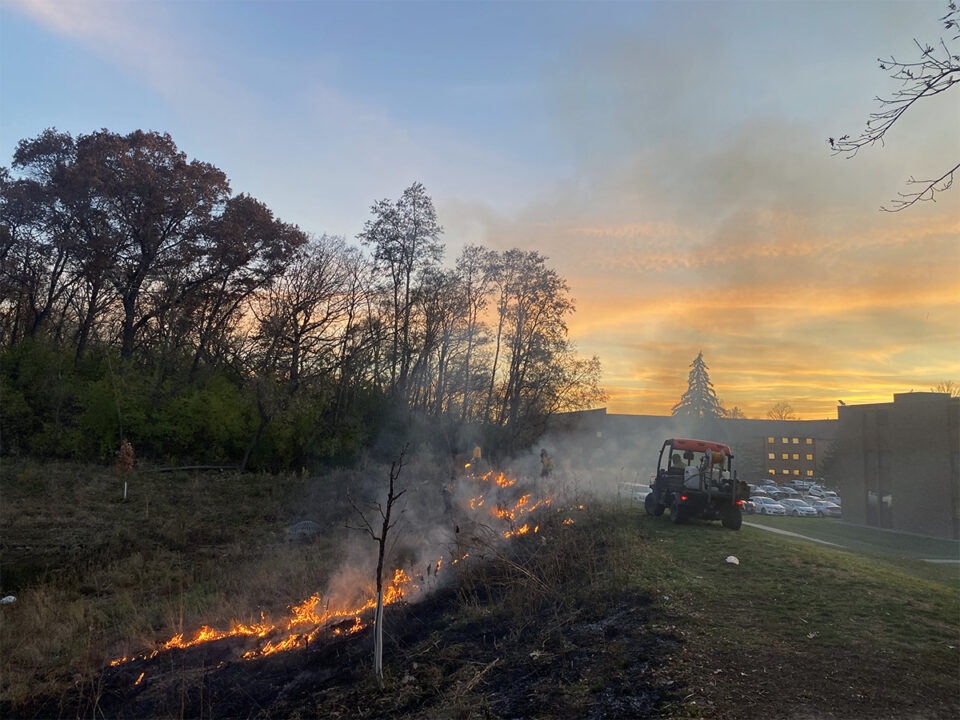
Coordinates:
column 141, row 300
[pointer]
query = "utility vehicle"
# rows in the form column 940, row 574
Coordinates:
column 695, row 478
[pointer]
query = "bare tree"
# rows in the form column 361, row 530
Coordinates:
column 782, row 411
column 474, row 268
column 385, row 525
column 301, row 316
column 405, row 238
column 935, row 71
column 947, row 386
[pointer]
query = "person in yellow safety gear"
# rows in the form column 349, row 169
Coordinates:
column 546, row 463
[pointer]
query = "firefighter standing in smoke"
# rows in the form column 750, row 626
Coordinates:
column 546, row 463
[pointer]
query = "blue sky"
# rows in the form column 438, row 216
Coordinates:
column 670, row 158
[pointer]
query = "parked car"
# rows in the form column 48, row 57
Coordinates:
column 768, row 506
column 636, row 491
column 825, row 508
column 798, row 508
column 830, row 496
column 749, row 507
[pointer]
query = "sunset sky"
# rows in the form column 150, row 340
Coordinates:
column 669, row 158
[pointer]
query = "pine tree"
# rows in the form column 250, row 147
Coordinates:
column 700, row 399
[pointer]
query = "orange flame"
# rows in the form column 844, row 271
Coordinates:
column 307, row 620
column 307, row 614
column 504, row 482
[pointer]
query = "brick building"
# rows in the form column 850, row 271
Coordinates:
column 899, row 464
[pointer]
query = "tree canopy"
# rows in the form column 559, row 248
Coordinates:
column 781, row 411
column 141, row 300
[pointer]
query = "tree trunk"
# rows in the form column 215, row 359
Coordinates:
column 87, row 324
column 264, row 419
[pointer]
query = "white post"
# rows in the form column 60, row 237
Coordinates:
column 124, row 490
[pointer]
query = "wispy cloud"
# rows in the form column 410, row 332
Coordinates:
column 686, row 193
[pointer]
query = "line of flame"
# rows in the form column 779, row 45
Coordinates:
column 306, row 614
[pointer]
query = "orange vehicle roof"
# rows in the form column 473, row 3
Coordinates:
column 701, row 445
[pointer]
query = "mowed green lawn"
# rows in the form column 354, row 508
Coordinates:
column 911, row 553
column 795, row 620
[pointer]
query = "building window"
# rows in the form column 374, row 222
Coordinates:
column 770, row 440
column 796, row 456
column 786, row 472
column 771, row 456
column 809, row 473
column 796, row 472
column 809, row 456
column 796, row 441
column 809, row 441
column 785, row 456
column 785, row 440
column 772, row 471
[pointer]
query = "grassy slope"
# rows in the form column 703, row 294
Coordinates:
column 96, row 577
column 795, row 628
column 809, row 625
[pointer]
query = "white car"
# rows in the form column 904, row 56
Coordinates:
column 768, row 506
column 798, row 508
column 635, row 491
column 825, row 508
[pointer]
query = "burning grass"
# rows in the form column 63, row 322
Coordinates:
column 593, row 611
column 195, row 559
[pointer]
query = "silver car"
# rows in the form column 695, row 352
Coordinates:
column 798, row 508
column 768, row 506
column 825, row 508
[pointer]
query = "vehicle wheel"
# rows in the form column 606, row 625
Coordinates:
column 732, row 518
column 795, row 514
column 652, row 506
column 819, row 513
column 676, row 513
column 763, row 511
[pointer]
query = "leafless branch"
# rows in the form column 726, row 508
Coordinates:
column 936, row 71
column 364, row 523
column 926, row 193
